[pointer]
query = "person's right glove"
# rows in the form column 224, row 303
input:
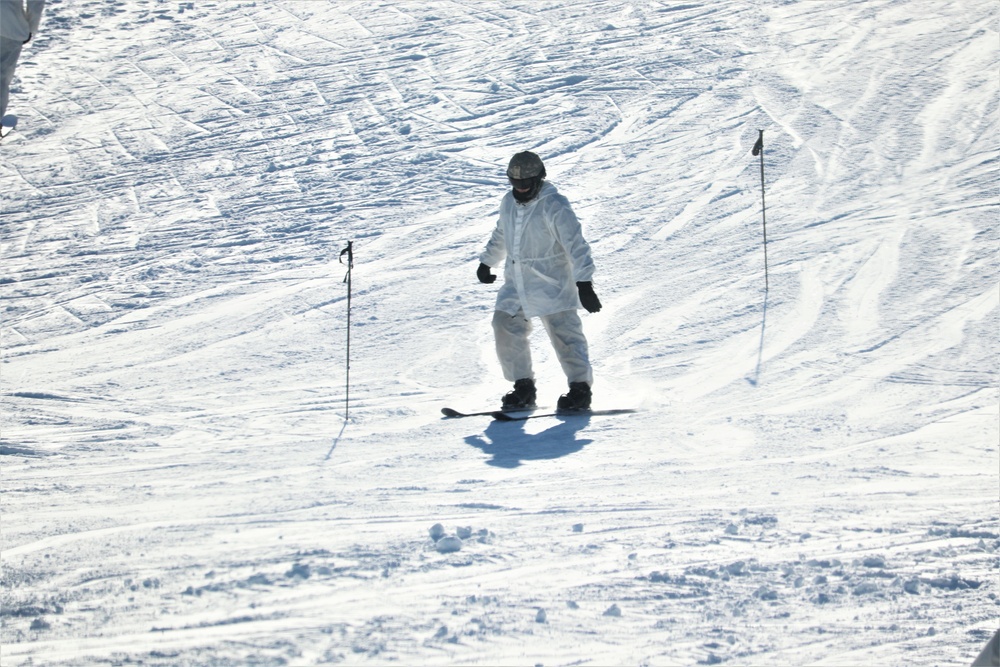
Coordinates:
column 484, row 275
column 587, row 297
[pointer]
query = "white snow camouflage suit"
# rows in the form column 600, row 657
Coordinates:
column 17, row 23
column 546, row 254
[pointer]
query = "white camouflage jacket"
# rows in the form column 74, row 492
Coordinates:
column 545, row 252
column 18, row 21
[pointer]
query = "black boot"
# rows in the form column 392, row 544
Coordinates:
column 522, row 397
column 578, row 397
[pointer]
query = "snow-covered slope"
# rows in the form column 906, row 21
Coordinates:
column 814, row 475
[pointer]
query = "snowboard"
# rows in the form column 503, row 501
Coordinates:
column 507, row 417
column 522, row 415
column 455, row 414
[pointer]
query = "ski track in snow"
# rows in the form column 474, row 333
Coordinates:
column 812, row 477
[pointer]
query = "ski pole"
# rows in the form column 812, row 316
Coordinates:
column 349, row 251
column 758, row 149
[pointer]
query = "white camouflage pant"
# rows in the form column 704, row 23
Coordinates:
column 565, row 331
column 10, row 51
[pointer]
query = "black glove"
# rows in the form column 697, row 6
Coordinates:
column 587, row 297
column 484, row 275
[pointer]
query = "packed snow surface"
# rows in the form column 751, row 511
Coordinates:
column 813, row 474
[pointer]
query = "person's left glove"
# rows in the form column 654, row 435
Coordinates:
column 587, row 297
column 484, row 275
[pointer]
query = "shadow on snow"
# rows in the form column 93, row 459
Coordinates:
column 510, row 445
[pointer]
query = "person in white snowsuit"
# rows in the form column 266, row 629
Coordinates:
column 548, row 273
column 18, row 23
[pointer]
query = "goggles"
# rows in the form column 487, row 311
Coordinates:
column 521, row 183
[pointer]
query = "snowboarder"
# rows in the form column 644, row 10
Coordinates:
column 548, row 274
column 18, row 24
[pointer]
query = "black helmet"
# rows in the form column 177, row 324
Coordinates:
column 525, row 173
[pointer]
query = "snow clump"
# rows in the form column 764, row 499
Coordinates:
column 449, row 544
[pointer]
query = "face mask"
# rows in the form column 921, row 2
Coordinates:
column 530, row 187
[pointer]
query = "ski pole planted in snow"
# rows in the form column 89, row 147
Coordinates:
column 349, row 251
column 758, row 149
